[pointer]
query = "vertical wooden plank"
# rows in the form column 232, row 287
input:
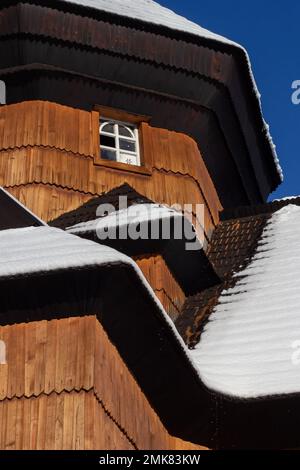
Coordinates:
column 30, row 351
column 71, row 357
column 51, row 356
column 62, row 343
column 89, row 351
column 2, row 424
column 78, row 421
column 13, row 378
column 163, row 283
column 4, row 367
column 80, row 363
column 59, row 424
column 26, row 423
column 50, row 421
column 68, row 418
column 34, row 414
column 95, row 133
column 147, row 145
column 89, row 420
column 42, row 427
column 40, row 352
column 19, row 424
column 10, row 438
column 19, row 358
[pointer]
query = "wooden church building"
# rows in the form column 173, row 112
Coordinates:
column 108, row 342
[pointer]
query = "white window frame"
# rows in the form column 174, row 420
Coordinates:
column 135, row 139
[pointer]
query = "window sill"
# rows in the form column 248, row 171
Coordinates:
column 142, row 170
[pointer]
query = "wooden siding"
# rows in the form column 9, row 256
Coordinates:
column 47, row 37
column 65, row 387
column 163, row 283
column 50, row 158
column 69, row 421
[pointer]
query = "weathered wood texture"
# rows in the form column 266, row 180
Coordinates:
column 65, row 387
column 67, row 421
column 50, row 159
column 154, row 59
column 163, row 283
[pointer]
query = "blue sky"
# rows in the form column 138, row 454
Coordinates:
column 270, row 32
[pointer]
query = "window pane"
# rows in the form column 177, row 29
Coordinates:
column 108, row 141
column 129, row 159
column 108, row 127
column 107, row 154
column 127, row 145
column 126, row 131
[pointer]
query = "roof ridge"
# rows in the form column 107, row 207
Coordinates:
column 260, row 209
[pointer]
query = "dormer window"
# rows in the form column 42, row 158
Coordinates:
column 119, row 142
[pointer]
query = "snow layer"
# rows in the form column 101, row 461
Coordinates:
column 151, row 12
column 287, row 198
column 45, row 249
column 134, row 214
column 251, row 345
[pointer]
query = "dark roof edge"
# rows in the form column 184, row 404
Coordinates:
column 192, row 269
column 234, row 49
column 261, row 209
column 148, row 343
column 218, row 45
column 20, row 215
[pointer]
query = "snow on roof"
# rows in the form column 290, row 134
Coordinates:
column 36, row 250
column 43, row 249
column 150, row 12
column 131, row 219
column 286, row 198
column 154, row 13
column 251, row 345
column 136, row 213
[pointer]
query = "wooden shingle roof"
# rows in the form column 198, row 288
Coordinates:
column 231, row 249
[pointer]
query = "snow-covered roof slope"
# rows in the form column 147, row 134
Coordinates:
column 151, row 12
column 44, row 249
column 137, row 215
column 251, row 345
column 287, row 198
column 34, row 250
column 134, row 214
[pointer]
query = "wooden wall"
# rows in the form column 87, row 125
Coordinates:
column 65, row 387
column 163, row 283
column 50, row 160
